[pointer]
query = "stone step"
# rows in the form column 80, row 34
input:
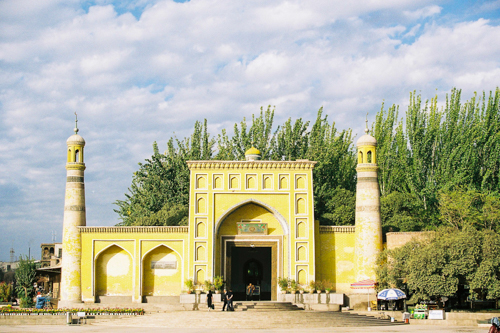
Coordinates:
column 253, row 320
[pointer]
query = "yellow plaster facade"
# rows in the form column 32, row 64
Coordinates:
column 248, row 220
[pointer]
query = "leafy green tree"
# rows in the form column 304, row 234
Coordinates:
column 436, row 150
column 168, row 215
column 335, row 170
column 25, row 278
column 436, row 266
column 491, row 212
column 340, row 208
column 5, row 292
column 460, row 207
column 159, row 193
column 400, row 212
column 422, row 160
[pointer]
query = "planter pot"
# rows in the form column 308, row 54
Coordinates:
column 327, row 291
column 283, row 291
column 293, row 291
column 198, row 292
column 318, row 291
column 302, row 291
column 217, row 291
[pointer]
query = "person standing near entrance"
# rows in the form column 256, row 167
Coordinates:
column 224, row 299
column 229, row 296
column 209, row 300
column 250, row 291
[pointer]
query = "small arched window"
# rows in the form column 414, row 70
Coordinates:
column 360, row 157
column 77, row 155
column 369, row 156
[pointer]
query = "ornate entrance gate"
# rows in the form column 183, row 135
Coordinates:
column 251, row 260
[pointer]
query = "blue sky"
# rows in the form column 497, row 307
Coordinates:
column 140, row 71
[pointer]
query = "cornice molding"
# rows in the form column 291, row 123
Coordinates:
column 295, row 165
column 174, row 229
column 344, row 229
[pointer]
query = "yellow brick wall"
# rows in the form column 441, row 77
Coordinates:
column 335, row 259
column 117, row 261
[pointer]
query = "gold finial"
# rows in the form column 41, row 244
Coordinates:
column 366, row 121
column 76, row 124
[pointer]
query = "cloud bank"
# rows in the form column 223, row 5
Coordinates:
column 138, row 71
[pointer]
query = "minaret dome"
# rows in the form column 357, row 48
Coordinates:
column 367, row 152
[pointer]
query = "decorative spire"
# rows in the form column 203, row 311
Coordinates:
column 76, row 124
column 366, row 121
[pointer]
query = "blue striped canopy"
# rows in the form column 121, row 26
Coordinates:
column 391, row 294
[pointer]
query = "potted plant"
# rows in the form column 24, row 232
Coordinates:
column 208, row 285
column 218, row 284
column 319, row 286
column 301, row 289
column 293, row 286
column 189, row 285
column 283, row 283
column 312, row 286
column 198, row 288
column 328, row 286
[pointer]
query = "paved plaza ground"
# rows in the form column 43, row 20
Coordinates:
column 149, row 329
column 242, row 322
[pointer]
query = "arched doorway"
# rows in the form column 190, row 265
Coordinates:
column 250, row 248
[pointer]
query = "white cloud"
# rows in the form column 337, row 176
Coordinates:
column 422, row 12
column 137, row 79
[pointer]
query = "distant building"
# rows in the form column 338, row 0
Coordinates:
column 51, row 254
column 8, row 266
column 49, row 270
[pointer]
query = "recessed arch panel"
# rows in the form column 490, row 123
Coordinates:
column 162, row 269
column 113, row 272
column 277, row 215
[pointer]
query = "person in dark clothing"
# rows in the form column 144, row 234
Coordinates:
column 250, row 291
column 229, row 296
column 209, row 300
column 224, row 299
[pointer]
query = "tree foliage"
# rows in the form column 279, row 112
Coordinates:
column 5, row 292
column 436, row 266
column 25, row 278
column 433, row 152
column 424, row 158
column 159, row 193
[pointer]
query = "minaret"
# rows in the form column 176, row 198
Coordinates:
column 368, row 224
column 74, row 217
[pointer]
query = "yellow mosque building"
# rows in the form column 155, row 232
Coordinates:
column 249, row 221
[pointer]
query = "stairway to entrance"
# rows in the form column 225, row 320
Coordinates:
column 249, row 319
column 265, row 306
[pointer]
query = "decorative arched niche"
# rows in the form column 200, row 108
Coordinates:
column 161, row 272
column 113, row 272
